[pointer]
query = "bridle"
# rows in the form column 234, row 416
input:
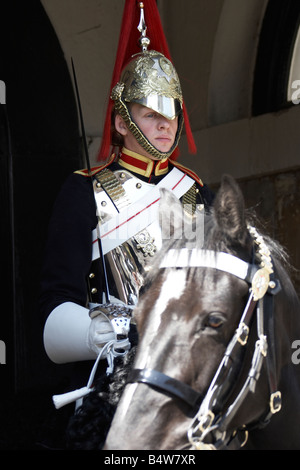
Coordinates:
column 209, row 427
column 211, row 421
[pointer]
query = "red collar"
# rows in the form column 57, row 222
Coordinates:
column 142, row 165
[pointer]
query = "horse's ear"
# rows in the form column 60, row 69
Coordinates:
column 229, row 210
column 171, row 215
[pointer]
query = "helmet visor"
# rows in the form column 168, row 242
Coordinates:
column 167, row 107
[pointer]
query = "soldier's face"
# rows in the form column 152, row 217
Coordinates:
column 160, row 132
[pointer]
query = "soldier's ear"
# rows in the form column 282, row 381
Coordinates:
column 120, row 125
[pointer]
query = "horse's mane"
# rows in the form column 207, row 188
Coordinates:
column 88, row 427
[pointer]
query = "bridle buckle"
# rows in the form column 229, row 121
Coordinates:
column 206, row 421
column 242, row 333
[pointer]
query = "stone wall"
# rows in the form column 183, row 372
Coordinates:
column 275, row 199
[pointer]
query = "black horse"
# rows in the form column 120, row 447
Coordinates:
column 214, row 364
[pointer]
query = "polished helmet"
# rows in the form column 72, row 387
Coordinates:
column 151, row 80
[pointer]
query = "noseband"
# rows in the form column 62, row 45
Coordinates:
column 211, row 421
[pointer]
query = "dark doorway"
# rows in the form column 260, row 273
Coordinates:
column 39, row 147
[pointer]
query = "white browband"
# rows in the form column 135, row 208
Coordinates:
column 184, row 258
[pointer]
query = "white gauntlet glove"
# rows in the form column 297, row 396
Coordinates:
column 109, row 322
column 73, row 333
column 100, row 332
column 70, row 333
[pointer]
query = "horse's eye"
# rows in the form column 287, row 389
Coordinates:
column 214, row 321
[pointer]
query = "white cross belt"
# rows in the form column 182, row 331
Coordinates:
column 140, row 214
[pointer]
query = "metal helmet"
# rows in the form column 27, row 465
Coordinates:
column 150, row 79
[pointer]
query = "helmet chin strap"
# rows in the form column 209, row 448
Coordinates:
column 123, row 110
column 145, row 143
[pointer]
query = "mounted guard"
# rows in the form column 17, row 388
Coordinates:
column 105, row 228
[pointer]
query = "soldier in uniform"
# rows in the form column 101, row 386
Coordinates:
column 104, row 229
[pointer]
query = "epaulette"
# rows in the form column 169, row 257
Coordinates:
column 187, row 171
column 95, row 169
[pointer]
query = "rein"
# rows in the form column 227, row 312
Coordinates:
column 211, row 421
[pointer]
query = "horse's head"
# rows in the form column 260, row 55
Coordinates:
column 192, row 311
